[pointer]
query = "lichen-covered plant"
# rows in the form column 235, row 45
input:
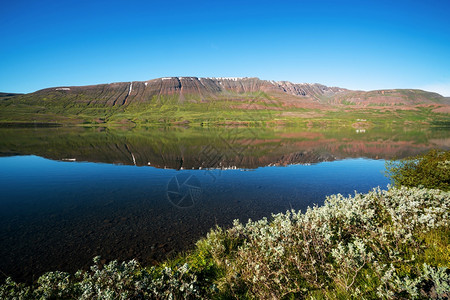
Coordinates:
column 374, row 245
column 126, row 280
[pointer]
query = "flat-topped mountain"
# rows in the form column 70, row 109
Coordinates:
column 187, row 88
column 194, row 88
column 159, row 100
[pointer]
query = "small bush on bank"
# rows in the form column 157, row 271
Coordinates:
column 430, row 170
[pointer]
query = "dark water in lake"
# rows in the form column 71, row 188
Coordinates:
column 68, row 195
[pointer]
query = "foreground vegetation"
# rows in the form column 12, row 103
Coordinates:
column 383, row 244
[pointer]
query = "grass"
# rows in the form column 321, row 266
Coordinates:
column 248, row 109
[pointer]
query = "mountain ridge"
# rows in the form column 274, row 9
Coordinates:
column 204, row 88
column 224, row 100
column 122, row 93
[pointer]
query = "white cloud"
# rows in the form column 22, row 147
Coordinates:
column 440, row 88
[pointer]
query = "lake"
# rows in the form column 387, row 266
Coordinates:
column 69, row 194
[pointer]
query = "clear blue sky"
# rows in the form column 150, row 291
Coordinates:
column 356, row 44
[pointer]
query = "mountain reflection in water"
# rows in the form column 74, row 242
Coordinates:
column 198, row 148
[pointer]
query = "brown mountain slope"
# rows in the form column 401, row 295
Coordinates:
column 185, row 88
column 207, row 89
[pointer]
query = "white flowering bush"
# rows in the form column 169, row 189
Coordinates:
column 392, row 244
column 126, row 280
column 368, row 245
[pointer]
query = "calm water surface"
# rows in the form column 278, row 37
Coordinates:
column 70, row 195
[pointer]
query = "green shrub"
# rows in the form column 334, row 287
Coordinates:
column 430, row 170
